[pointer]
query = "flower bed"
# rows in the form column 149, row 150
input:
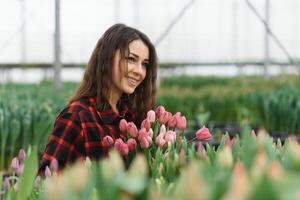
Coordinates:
column 165, row 165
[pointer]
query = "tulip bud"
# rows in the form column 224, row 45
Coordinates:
column 172, row 122
column 151, row 116
column 160, row 142
column 201, row 151
column 145, row 142
column 22, row 155
column 203, row 134
column 121, row 147
column 20, row 169
column 159, row 110
column 131, row 144
column 107, row 141
column 132, row 129
column 142, row 133
column 163, row 130
column 178, row 114
column 124, row 149
column 118, row 143
column 123, row 125
column 170, row 137
column 165, row 117
column 15, row 164
column 150, row 132
column 181, row 122
column 146, row 124
column 47, row 172
column 54, row 165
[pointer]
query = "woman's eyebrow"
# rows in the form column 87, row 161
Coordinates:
column 137, row 56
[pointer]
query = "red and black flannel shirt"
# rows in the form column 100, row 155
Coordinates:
column 79, row 129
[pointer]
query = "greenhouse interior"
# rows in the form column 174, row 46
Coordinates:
column 150, row 99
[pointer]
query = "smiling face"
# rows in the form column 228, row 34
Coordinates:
column 128, row 75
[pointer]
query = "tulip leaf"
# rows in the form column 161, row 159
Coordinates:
column 29, row 174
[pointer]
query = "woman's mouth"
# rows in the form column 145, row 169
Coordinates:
column 132, row 81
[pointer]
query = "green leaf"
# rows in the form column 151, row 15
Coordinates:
column 29, row 174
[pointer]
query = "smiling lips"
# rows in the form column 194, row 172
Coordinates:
column 132, row 81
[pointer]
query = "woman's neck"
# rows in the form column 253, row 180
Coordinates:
column 113, row 100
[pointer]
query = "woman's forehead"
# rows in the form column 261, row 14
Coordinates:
column 139, row 49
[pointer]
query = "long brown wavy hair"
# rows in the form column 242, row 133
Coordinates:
column 98, row 74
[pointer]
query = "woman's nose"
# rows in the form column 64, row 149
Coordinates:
column 138, row 68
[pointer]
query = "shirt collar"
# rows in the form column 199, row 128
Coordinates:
column 107, row 115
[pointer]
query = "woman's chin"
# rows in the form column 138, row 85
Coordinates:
column 129, row 90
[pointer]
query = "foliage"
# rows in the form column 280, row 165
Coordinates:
column 251, row 167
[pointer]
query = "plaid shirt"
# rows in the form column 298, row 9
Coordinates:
column 79, row 129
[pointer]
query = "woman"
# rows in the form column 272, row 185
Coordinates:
column 119, row 82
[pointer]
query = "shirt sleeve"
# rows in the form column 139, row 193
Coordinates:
column 61, row 144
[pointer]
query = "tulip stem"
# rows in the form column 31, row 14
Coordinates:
column 192, row 140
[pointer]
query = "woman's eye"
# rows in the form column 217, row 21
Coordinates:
column 146, row 65
column 131, row 59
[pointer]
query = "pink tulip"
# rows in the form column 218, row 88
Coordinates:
column 20, row 169
column 123, row 125
column 151, row 116
column 107, row 141
column 160, row 135
column 132, row 129
column 15, row 164
column 163, row 130
column 172, row 122
column 145, row 142
column 54, row 165
column 146, row 124
column 203, row 134
column 165, row 117
column 118, row 143
column 178, row 115
column 201, row 150
column 47, row 172
column 142, row 133
column 181, row 122
column 144, row 138
column 121, row 147
column 131, row 144
column 22, row 155
column 160, row 141
column 170, row 136
column 159, row 111
column 150, row 132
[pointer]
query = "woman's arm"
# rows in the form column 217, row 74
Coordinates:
column 62, row 143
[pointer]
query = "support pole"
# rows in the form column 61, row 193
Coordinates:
column 267, row 40
column 23, row 31
column 57, row 48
